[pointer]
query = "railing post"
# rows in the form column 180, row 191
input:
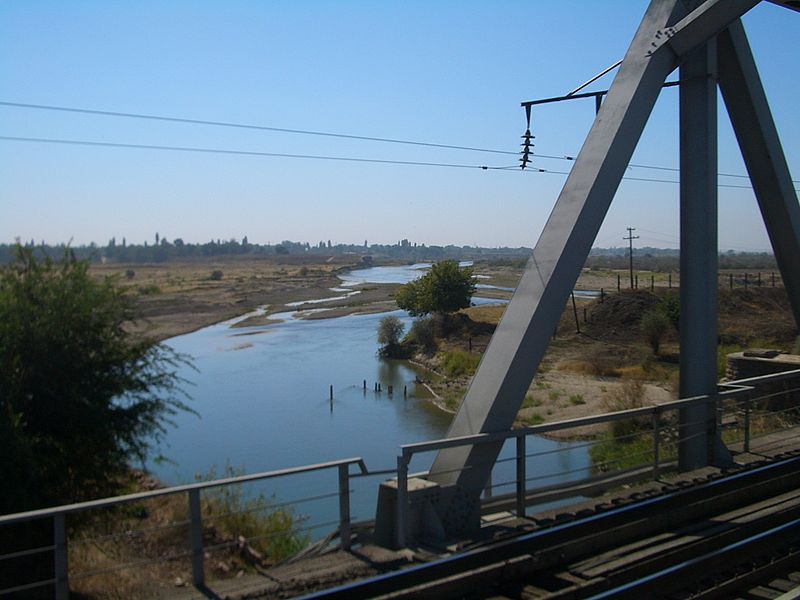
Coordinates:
column 656, row 440
column 402, row 500
column 344, row 506
column 60, row 559
column 521, row 476
column 747, row 422
column 196, row 538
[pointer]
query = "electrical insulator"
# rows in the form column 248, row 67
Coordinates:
column 526, row 144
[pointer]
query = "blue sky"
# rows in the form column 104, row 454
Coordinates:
column 447, row 72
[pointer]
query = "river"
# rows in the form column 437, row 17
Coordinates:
column 262, row 398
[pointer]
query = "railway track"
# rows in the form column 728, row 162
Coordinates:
column 714, row 539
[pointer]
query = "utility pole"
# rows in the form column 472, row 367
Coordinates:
column 630, row 239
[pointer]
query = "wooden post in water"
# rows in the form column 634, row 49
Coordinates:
column 669, row 280
column 391, row 390
column 652, row 282
column 618, row 282
column 405, row 391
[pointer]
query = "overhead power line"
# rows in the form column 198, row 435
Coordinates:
column 248, row 153
column 251, row 126
column 355, row 159
column 109, row 113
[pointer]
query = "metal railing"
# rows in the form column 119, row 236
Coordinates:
column 196, row 551
column 736, row 404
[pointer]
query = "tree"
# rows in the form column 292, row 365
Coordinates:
column 445, row 289
column 80, row 396
column 390, row 330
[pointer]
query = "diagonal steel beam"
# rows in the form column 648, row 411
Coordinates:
column 518, row 345
column 704, row 22
column 513, row 355
column 763, row 154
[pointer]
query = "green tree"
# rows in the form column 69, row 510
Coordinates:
column 445, row 289
column 390, row 330
column 80, row 396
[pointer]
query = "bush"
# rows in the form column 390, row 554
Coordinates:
column 149, row 290
column 628, row 396
column 270, row 531
column 670, row 307
column 216, row 275
column 80, row 397
column 458, row 363
column 423, row 334
column 130, row 274
column 390, row 330
column 654, row 326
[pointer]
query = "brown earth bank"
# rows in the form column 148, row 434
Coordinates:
column 179, row 297
column 590, row 364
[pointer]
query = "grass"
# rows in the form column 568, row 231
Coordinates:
column 576, row 399
column 532, row 419
column 530, row 401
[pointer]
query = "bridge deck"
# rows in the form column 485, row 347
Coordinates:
column 330, row 568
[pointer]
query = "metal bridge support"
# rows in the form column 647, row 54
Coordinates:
column 698, row 218
column 763, row 155
column 668, row 35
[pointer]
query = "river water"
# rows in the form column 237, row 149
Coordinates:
column 262, row 398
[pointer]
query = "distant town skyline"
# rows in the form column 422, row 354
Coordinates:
column 446, row 73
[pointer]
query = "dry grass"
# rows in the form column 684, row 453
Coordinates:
column 140, row 550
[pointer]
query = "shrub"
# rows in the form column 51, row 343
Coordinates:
column 627, row 396
column 149, row 290
column 271, row 531
column 458, row 363
column 654, row 325
column 130, row 274
column 216, row 275
column 670, row 307
column 390, row 329
column 422, row 333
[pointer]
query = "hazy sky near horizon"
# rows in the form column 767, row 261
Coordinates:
column 444, row 72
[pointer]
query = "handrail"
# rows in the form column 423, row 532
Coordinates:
column 739, row 387
column 192, row 490
column 741, row 390
column 178, row 489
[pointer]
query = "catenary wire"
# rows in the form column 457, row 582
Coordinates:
column 314, row 157
column 244, row 152
column 129, row 115
column 109, row 113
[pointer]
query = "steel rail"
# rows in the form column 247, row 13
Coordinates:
column 536, row 549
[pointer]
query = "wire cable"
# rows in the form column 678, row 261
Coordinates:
column 109, row 113
column 246, row 153
column 355, row 159
column 129, row 115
